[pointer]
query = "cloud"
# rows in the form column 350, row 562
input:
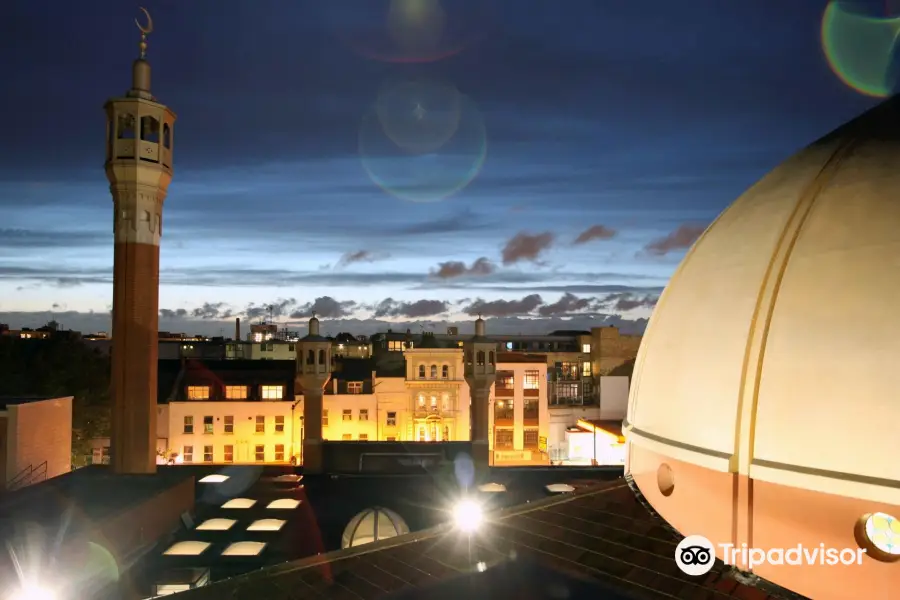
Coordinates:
column 504, row 308
column 279, row 308
column 349, row 258
column 452, row 269
column 526, row 247
column 209, row 310
column 461, row 221
column 595, row 232
column 413, row 310
column 681, row 238
column 325, row 307
column 623, row 302
column 569, row 303
column 34, row 239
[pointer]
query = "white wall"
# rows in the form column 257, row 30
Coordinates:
column 613, row 397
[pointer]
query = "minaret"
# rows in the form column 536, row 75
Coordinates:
column 139, row 169
column 313, row 373
column 480, row 372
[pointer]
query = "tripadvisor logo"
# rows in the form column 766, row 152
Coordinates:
column 696, row 555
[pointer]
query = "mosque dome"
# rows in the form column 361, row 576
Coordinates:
column 371, row 525
column 764, row 403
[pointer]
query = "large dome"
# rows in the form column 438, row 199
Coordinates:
column 772, row 357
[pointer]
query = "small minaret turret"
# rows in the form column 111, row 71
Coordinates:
column 139, row 140
column 480, row 368
column 313, row 373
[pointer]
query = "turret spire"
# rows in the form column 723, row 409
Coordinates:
column 140, row 70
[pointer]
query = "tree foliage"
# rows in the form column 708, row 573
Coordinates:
column 57, row 367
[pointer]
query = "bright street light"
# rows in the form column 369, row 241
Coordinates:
column 467, row 515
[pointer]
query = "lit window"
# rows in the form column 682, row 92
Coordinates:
column 445, row 372
column 239, row 503
column 235, row 392
column 364, row 414
column 207, row 453
column 187, row 549
column 229, row 453
column 391, row 419
column 260, row 424
column 216, row 525
column 532, row 379
column 266, row 525
column 586, row 348
column 198, row 392
column 346, row 437
column 354, row 387
column 324, row 417
column 279, row 452
column 283, row 504
column 229, row 423
column 279, row 424
column 260, row 453
column 585, row 369
column 188, row 454
column 505, row 380
column 207, row 424
column 421, row 371
column 272, row 392
column 434, row 371
column 503, row 439
column 348, row 414
column 244, row 549
column 189, row 424
column 421, row 400
column 531, row 438
column 364, row 437
column 390, row 438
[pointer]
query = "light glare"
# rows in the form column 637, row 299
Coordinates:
column 30, row 591
column 467, row 516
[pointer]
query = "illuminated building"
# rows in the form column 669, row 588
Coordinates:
column 764, row 402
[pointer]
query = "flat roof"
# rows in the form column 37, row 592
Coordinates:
column 6, row 401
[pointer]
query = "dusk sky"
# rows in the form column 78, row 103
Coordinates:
column 318, row 146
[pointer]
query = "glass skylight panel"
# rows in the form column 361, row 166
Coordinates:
column 216, row 525
column 239, row 503
column 266, row 525
column 244, row 549
column 284, row 504
column 192, row 548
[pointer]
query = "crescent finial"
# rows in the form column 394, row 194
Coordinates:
column 148, row 29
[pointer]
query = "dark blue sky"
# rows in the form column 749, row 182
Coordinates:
column 641, row 120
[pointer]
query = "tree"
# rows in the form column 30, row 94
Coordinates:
column 61, row 366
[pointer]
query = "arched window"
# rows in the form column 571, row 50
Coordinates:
column 445, row 371
column 480, row 361
column 167, row 136
column 150, row 130
column 421, row 371
column 322, row 358
column 491, row 357
column 125, row 127
column 434, row 371
column 421, row 400
column 446, row 437
column 311, row 357
column 469, row 357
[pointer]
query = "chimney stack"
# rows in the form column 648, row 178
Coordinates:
column 237, row 329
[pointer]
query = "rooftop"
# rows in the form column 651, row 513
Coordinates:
column 6, row 401
column 601, row 541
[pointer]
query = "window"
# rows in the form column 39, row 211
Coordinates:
column 207, row 453
column 491, row 357
column 198, row 392
column 434, row 404
column 188, row 453
column 354, row 387
column 348, row 414
column 421, row 371
column 391, row 438
column 434, row 371
column 391, row 419
column 586, row 348
column 503, row 409
column 324, row 417
column 445, row 372
column 503, row 439
column 567, row 393
column 530, row 408
column 586, row 369
column 272, row 392
column 445, row 402
column 279, row 424
column 364, row 414
column 446, row 433
column 279, row 452
column 531, row 438
column 104, row 455
column 567, row 371
column 532, row 379
column 189, row 424
column 235, row 392
column 479, row 358
column 229, row 423
column 260, row 424
column 364, row 437
column 346, row 437
column 260, row 453
column 395, row 346
column 421, row 400
column 229, row 453
column 207, row 424
column 505, row 380
column 290, row 347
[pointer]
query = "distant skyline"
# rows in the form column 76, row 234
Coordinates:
column 590, row 146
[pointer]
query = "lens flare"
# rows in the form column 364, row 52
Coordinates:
column 425, row 176
column 419, row 116
column 861, row 49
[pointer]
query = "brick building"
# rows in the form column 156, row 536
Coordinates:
column 35, row 440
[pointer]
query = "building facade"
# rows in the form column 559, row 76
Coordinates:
column 35, row 440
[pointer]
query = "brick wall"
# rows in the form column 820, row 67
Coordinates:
column 609, row 349
column 40, row 431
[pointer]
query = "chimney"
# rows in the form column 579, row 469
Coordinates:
column 237, row 329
